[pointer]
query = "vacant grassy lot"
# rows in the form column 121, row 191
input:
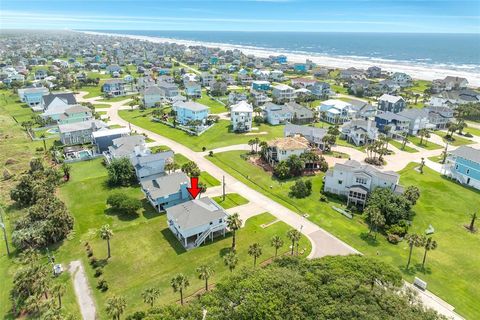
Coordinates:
column 220, row 135
column 144, row 251
column 425, row 143
column 443, row 203
column 458, row 140
column 231, row 200
column 215, row 106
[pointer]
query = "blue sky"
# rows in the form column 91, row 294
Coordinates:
column 248, row 15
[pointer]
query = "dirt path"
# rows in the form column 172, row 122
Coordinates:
column 82, row 291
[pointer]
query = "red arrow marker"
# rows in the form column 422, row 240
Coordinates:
column 194, row 190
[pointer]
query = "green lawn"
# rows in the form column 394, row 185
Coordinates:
column 217, row 136
column 399, row 145
column 458, row 140
column 345, row 143
column 116, row 99
column 215, row 106
column 450, row 268
column 208, row 179
column 419, row 86
column 144, row 251
column 231, row 200
column 93, row 91
column 425, row 144
column 101, row 105
column 470, row 129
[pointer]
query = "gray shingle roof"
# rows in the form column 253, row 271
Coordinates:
column 468, row 153
column 195, row 213
column 125, row 145
column 165, row 185
column 69, row 98
column 355, row 166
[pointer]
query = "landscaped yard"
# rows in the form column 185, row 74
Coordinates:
column 231, row 200
column 217, row 136
column 399, row 145
column 425, row 143
column 144, row 251
column 215, row 106
column 450, row 268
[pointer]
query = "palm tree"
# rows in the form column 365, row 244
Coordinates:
column 404, row 140
column 115, row 306
column 375, row 219
column 277, row 243
column 42, row 136
column 471, row 227
column 230, row 260
column 255, row 250
column 149, row 295
column 430, row 244
column 294, row 235
column 413, row 240
column 59, row 290
column 66, row 170
column 234, row 223
column 204, row 273
column 180, row 283
column 106, row 234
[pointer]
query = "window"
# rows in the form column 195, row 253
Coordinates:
column 468, row 171
column 361, row 180
column 340, row 181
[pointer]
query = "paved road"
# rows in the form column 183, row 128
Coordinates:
column 82, row 291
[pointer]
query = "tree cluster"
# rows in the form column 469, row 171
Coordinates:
column 301, row 189
column 121, row 173
column 122, row 202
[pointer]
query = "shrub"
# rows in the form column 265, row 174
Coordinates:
column 323, row 198
column 98, row 272
column 122, row 202
column 102, row 285
column 397, row 230
column 89, row 253
column 138, row 315
column 93, row 262
column 121, row 172
column 468, row 135
column 393, row 238
column 301, row 189
column 258, row 119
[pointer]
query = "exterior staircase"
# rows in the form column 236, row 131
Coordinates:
column 206, row 233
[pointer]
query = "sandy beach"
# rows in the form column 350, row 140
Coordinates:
column 424, row 72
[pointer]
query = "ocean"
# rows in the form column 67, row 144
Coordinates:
column 449, row 51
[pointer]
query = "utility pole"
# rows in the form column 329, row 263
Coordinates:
column 223, row 198
column 2, row 225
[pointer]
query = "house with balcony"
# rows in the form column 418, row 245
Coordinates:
column 275, row 114
column 260, row 98
column 398, row 125
column 193, row 90
column 418, row 120
column 168, row 90
column 33, row 97
column 336, row 111
column 300, row 114
column 55, row 105
column 260, row 85
column 320, row 89
column 151, row 96
column 196, row 221
column 356, row 181
column 104, row 139
column 190, row 111
column 207, row 79
column 281, row 149
column 313, row 135
column 79, row 132
column 391, row 103
column 440, row 117
column 75, row 113
column 148, row 164
column 241, row 115
column 402, row 79
column 124, row 147
column 359, row 132
column 282, row 93
column 463, row 165
column 114, row 88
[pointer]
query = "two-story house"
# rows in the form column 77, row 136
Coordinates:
column 207, row 79
column 320, row 89
column 149, row 164
column 55, row 105
column 166, row 190
column 463, row 165
column 114, row 88
column 335, row 111
column 359, row 132
column 300, row 114
column 33, row 97
column 79, row 132
column 391, row 103
column 190, row 111
column 276, row 113
column 440, row 116
column 355, row 181
column 418, row 119
column 193, row 89
column 151, row 96
column 281, row 149
column 282, row 93
column 260, row 85
column 313, row 135
column 241, row 115
column 75, row 113
column 168, row 90
column 398, row 125
column 195, row 221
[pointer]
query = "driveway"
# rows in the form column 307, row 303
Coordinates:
column 82, row 291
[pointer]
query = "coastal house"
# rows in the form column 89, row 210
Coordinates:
column 391, row 103
column 235, row 97
column 207, row 79
column 300, row 67
column 168, row 90
column 276, row 113
column 335, row 111
column 418, row 120
column 374, row 72
column 363, row 109
column 193, row 90
column 79, row 132
column 41, row 74
column 33, row 97
column 313, row 135
column 463, row 165
column 260, row 85
column 149, row 164
column 283, row 93
column 114, row 88
column 402, row 79
column 151, row 96
column 190, row 111
column 194, row 221
column 356, row 181
column 55, row 105
column 280, row 149
column 359, row 132
column 303, row 82
column 166, row 190
column 454, row 98
column 440, row 116
column 75, row 113
column 260, row 98
column 103, row 139
column 124, row 147
column 398, row 125
column 320, row 89
column 300, row 114
column 277, row 75
column 241, row 115
column 449, row 83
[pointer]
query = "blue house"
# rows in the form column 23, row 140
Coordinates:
column 300, row 67
column 463, row 165
column 33, row 97
column 261, row 85
column 193, row 89
column 114, row 87
column 398, row 124
column 281, row 59
column 167, row 190
column 213, row 60
column 163, row 72
column 190, row 111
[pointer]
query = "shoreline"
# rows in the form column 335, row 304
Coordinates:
column 419, row 72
